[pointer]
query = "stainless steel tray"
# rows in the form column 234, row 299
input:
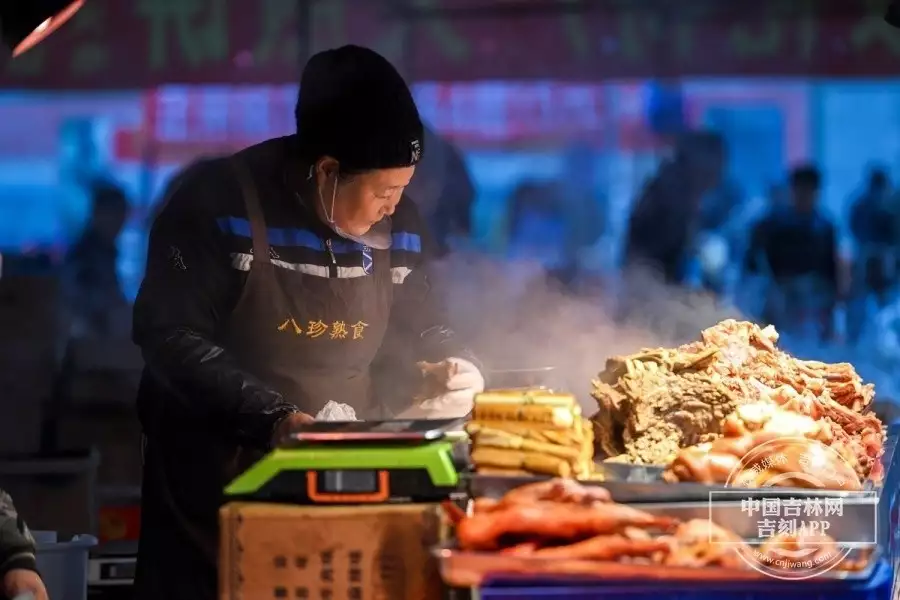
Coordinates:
column 625, row 472
column 494, row 486
column 462, row 569
column 891, row 462
column 639, row 484
column 473, row 569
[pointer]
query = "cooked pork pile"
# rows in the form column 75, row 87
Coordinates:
column 733, row 381
column 764, row 459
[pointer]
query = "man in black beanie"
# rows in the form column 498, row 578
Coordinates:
column 274, row 278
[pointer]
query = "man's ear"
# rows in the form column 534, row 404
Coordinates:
column 327, row 168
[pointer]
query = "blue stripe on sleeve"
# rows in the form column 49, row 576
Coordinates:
column 304, row 238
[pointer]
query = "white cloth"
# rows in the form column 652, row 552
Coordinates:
column 459, row 398
column 334, row 411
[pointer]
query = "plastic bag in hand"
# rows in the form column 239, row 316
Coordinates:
column 335, row 411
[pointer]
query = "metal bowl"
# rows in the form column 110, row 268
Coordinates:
column 540, row 378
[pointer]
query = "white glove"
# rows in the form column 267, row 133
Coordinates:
column 459, row 398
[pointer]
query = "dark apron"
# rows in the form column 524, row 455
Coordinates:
column 310, row 337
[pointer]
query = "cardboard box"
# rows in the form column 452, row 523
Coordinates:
column 380, row 552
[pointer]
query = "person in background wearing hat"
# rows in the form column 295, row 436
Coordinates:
column 18, row 567
column 90, row 278
column 274, row 277
column 673, row 196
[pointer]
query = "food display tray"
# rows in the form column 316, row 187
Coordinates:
column 479, row 569
column 623, row 492
column 639, row 484
column 876, row 587
column 472, row 569
column 628, row 473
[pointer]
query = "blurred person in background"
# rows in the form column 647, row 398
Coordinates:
column 274, row 279
column 78, row 167
column 444, row 192
column 82, row 169
column 752, row 282
column 18, row 566
column 665, row 221
column 779, row 196
column 719, row 206
column 584, row 210
column 537, row 230
column 872, row 225
column 91, row 281
column 720, row 235
column 172, row 184
column 797, row 248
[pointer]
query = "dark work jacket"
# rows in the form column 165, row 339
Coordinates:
column 795, row 245
column 871, row 223
column 662, row 225
column 252, row 309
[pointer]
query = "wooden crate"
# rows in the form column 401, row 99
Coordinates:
column 378, row 552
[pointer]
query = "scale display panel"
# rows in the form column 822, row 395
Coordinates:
column 371, row 431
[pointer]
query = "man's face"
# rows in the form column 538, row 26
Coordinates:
column 362, row 200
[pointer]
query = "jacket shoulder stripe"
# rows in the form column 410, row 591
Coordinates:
column 304, row 238
column 410, row 242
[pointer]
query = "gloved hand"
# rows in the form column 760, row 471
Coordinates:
column 463, row 380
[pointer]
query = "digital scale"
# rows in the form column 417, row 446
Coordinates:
column 359, row 462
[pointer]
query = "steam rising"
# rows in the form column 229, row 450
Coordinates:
column 513, row 317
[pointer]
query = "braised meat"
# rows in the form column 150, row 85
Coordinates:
column 732, row 381
column 562, row 521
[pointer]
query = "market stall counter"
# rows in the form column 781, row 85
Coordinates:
column 729, row 468
column 343, row 510
column 560, row 538
column 724, row 468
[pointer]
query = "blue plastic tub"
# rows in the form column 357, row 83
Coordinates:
column 877, row 587
column 64, row 565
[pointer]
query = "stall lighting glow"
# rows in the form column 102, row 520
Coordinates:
column 47, row 27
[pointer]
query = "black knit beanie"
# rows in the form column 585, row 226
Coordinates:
column 354, row 106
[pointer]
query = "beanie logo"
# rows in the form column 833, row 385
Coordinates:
column 415, row 151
